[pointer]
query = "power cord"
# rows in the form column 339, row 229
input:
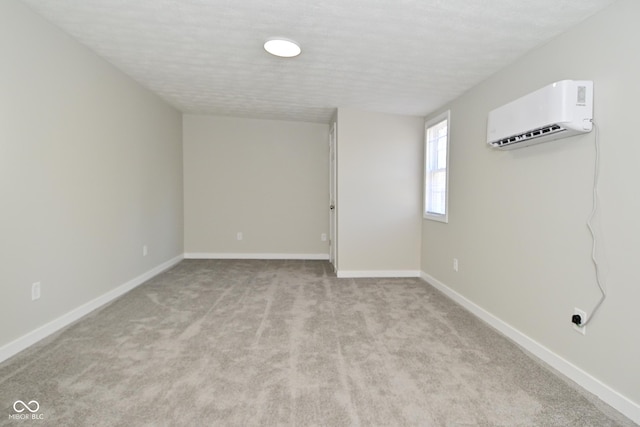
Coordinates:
column 596, row 177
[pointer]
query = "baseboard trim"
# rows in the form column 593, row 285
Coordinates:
column 610, row 396
column 377, row 273
column 208, row 255
column 27, row 340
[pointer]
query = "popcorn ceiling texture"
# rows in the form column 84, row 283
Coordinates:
column 390, row 56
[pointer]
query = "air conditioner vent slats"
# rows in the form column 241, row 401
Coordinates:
column 546, row 130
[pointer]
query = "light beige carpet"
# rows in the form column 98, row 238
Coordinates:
column 265, row 343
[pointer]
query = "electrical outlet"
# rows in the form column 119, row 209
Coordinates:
column 239, row 235
column 145, row 250
column 323, row 237
column 583, row 319
column 35, row 291
column 455, row 264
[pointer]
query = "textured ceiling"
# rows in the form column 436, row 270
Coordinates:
column 392, row 56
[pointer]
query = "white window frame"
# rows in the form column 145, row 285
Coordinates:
column 430, row 124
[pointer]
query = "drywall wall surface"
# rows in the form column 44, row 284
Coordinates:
column 379, row 191
column 90, row 172
column 266, row 179
column 517, row 219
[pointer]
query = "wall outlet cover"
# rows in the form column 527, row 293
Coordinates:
column 583, row 316
column 35, row 291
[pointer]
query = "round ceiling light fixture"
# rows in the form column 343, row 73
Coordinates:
column 283, row 48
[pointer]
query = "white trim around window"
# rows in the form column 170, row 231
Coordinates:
column 436, row 168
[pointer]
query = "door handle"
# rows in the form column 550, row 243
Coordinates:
column 332, row 207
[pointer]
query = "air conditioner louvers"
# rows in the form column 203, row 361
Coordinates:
column 556, row 111
column 536, row 133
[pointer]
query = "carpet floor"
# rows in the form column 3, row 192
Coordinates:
column 266, row 343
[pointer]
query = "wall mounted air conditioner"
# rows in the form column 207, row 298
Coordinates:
column 562, row 109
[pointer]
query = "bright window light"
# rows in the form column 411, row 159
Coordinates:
column 437, row 168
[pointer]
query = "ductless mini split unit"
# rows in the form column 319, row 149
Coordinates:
column 562, row 109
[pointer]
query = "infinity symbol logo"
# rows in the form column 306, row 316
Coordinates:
column 26, row 406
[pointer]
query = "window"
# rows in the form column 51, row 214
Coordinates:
column 436, row 175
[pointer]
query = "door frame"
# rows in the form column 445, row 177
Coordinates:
column 333, row 208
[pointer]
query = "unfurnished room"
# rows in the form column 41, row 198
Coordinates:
column 334, row 213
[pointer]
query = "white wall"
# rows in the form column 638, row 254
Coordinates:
column 379, row 180
column 268, row 179
column 517, row 219
column 90, row 171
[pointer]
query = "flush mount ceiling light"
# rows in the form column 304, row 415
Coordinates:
column 282, row 47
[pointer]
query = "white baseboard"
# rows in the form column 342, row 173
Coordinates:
column 610, row 396
column 19, row 344
column 377, row 273
column 207, row 255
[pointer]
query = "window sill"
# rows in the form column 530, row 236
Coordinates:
column 436, row 217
